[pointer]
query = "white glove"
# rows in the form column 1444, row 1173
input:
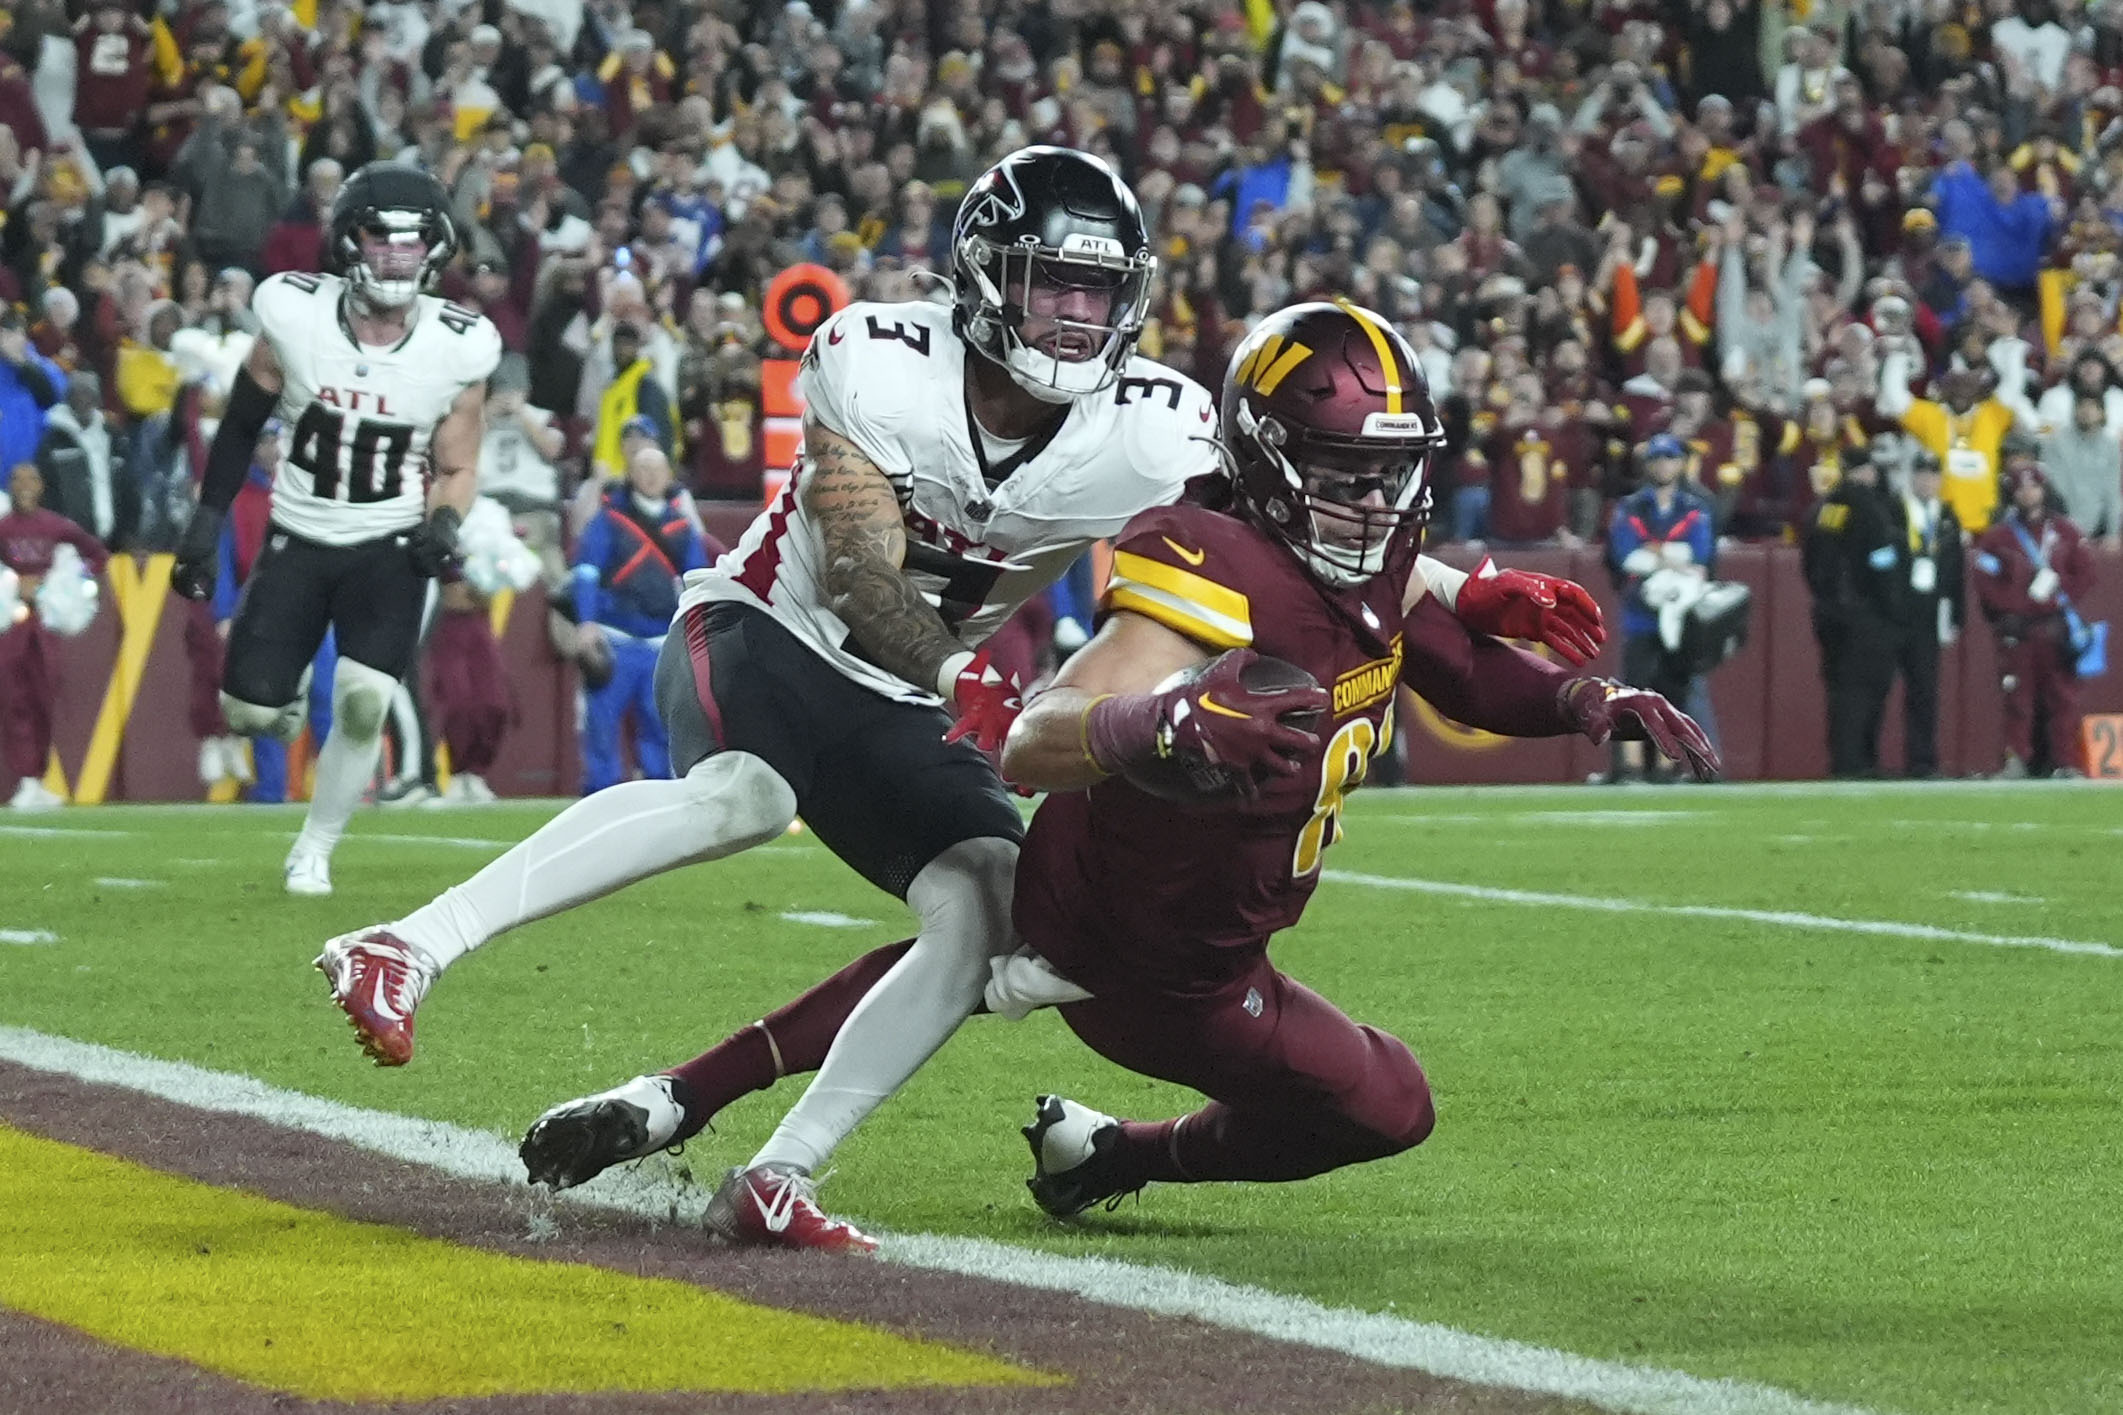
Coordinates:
column 1023, row 982
column 1641, row 561
column 2044, row 587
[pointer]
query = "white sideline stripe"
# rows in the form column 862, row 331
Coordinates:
column 1890, row 928
column 1371, row 1336
column 827, row 919
column 28, row 936
column 1996, row 896
column 119, row 882
column 60, row 832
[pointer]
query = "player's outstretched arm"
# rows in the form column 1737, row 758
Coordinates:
column 228, row 462
column 455, row 449
column 1049, row 747
column 858, row 518
column 1482, row 682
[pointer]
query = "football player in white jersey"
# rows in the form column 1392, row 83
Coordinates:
column 955, row 461
column 383, row 391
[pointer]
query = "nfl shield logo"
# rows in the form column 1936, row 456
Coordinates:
column 1252, row 1004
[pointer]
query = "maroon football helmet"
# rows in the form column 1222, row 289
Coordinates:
column 1328, row 428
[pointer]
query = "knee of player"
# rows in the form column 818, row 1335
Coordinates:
column 248, row 719
column 361, row 698
column 973, row 878
column 1402, row 1112
column 744, row 792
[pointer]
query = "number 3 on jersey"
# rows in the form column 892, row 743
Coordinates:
column 377, row 456
column 1342, row 769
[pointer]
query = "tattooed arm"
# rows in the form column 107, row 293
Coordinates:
column 859, row 519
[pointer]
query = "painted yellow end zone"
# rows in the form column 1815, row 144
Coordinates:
column 332, row 1309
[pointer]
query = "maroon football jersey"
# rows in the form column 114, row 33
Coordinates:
column 1532, row 471
column 1117, row 886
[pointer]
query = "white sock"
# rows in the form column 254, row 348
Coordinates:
column 344, row 768
column 347, row 762
column 963, row 897
column 728, row 803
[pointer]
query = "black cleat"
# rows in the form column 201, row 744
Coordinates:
column 575, row 1142
column 1072, row 1164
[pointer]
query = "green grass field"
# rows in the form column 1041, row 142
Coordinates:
column 1870, row 1167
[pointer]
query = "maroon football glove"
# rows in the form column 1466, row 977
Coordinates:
column 988, row 701
column 1210, row 719
column 1602, row 708
column 1541, row 609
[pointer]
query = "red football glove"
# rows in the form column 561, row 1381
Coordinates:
column 1541, row 609
column 1602, row 708
column 988, row 700
column 1212, row 718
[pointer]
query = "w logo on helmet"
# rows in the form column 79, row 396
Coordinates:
column 1269, row 362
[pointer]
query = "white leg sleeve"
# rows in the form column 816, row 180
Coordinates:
column 729, row 802
column 963, row 898
column 361, row 695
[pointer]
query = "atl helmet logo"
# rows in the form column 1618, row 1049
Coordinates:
column 995, row 200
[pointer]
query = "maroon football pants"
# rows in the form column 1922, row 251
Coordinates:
column 467, row 689
column 1296, row 1088
column 29, row 691
column 2041, row 688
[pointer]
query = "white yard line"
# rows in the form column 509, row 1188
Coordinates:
column 1782, row 918
column 642, row 1190
column 28, row 936
column 467, row 842
column 1997, row 896
column 120, row 882
column 827, row 919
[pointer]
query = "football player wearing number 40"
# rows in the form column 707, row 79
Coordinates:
column 956, row 460
column 379, row 383
column 1149, row 917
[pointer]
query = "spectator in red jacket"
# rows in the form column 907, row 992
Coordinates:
column 296, row 241
column 30, row 537
column 2030, row 567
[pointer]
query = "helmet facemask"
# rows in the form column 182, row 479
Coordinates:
column 1345, row 506
column 1062, row 321
column 393, row 254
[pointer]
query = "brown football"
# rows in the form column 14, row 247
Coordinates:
column 1198, row 784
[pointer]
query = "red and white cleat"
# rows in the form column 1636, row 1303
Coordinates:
column 774, row 1206
column 378, row 980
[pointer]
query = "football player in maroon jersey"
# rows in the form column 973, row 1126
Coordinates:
column 1328, row 428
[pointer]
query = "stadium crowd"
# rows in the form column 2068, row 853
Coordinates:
column 1775, row 238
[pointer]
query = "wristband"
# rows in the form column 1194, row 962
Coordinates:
column 947, row 675
column 1122, row 732
column 1443, row 581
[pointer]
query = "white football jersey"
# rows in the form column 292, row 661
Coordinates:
column 891, row 379
column 357, row 418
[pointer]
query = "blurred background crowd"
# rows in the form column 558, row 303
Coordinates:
column 1789, row 235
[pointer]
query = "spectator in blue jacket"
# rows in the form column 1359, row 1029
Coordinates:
column 627, row 569
column 1659, row 541
column 2007, row 229
column 29, row 384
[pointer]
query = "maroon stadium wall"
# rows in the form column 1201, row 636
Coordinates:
column 133, row 743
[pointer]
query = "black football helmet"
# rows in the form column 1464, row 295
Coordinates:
column 391, row 231
column 1051, row 269
column 1328, row 429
